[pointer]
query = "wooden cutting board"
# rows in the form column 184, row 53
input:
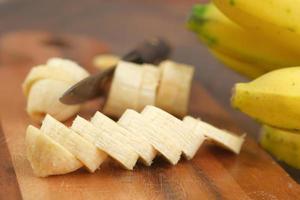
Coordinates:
column 213, row 173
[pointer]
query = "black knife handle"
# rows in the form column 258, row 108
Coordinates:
column 151, row 51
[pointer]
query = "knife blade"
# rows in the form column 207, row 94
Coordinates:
column 150, row 51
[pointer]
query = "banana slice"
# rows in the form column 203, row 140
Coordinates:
column 43, row 99
column 149, row 85
column 221, row 137
column 68, row 66
column 133, row 121
column 82, row 149
column 173, row 127
column 124, row 90
column 109, row 141
column 99, row 120
column 43, row 72
column 174, row 89
column 46, row 156
column 45, row 84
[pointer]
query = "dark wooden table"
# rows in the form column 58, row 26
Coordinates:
column 121, row 24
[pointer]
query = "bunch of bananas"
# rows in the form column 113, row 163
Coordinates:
column 254, row 38
column 250, row 37
column 274, row 100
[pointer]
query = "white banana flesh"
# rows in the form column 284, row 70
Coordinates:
column 112, row 143
column 133, row 87
column 149, row 85
column 46, row 156
column 45, row 84
column 124, row 90
column 153, row 141
column 82, row 149
column 221, row 137
column 173, row 127
column 57, row 149
column 43, row 99
column 174, row 88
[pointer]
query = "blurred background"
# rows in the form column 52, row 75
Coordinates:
column 122, row 24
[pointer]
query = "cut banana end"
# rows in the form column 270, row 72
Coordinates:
column 44, row 98
column 283, row 144
column 82, row 149
column 124, row 90
column 133, row 121
column 113, row 143
column 221, row 137
column 46, row 156
column 174, row 89
column 174, row 128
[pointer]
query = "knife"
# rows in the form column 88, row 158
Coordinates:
column 150, row 51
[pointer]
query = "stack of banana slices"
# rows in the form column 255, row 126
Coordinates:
column 45, row 84
column 57, row 149
column 135, row 86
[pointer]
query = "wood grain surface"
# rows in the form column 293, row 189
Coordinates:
column 213, row 173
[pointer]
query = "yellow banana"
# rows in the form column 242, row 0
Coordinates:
column 275, row 19
column 283, row 144
column 251, row 70
column 223, row 35
column 273, row 98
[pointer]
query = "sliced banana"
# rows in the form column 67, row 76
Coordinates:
column 148, row 89
column 221, row 137
column 124, row 90
column 46, row 156
column 72, row 68
column 43, row 72
column 173, row 127
column 45, row 84
column 43, row 99
column 99, row 120
column 174, row 88
column 133, row 121
column 82, row 149
column 113, row 143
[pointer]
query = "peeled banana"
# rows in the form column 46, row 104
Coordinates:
column 46, row 156
column 45, row 84
column 283, row 144
column 274, row 19
column 57, row 149
column 224, row 36
column 174, row 88
column 272, row 99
